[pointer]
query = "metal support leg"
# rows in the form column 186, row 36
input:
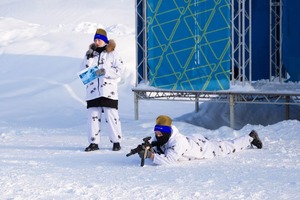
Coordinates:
column 197, row 103
column 136, row 106
column 231, row 104
column 287, row 108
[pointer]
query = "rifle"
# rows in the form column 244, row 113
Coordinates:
column 146, row 145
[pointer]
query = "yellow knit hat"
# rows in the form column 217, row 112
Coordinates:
column 163, row 124
column 101, row 34
column 164, row 120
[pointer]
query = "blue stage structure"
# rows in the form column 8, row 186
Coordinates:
column 196, row 49
column 291, row 38
column 188, row 44
column 260, row 40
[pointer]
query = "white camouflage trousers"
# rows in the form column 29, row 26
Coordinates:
column 111, row 117
column 203, row 148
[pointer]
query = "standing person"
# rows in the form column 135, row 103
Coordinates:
column 170, row 146
column 102, row 93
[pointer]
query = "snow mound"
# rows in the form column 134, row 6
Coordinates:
column 19, row 30
column 120, row 29
column 87, row 27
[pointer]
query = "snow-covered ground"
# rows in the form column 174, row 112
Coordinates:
column 43, row 116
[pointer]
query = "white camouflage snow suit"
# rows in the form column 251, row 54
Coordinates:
column 105, row 86
column 182, row 148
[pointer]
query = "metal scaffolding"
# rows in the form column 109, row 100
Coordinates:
column 241, row 42
column 241, row 34
column 276, row 39
column 141, row 41
column 230, row 97
column 241, row 56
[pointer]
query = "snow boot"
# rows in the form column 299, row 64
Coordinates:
column 92, row 147
column 256, row 141
column 116, row 146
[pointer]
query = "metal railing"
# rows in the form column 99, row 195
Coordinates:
column 230, row 97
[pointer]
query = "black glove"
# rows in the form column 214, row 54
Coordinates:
column 90, row 53
column 154, row 144
column 148, row 155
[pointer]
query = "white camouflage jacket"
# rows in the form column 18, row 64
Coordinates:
column 195, row 147
column 107, row 85
column 182, row 148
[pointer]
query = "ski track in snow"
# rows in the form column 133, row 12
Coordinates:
column 68, row 88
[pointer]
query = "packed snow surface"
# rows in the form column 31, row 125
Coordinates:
column 43, row 119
